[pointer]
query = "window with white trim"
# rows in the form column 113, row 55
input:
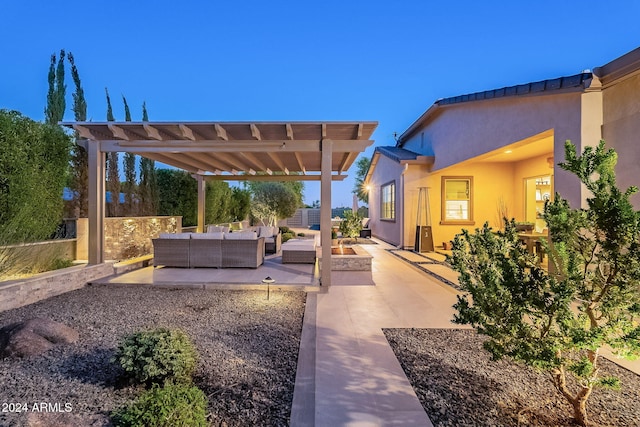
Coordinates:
column 457, row 206
column 388, row 201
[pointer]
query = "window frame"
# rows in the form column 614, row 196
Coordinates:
column 394, row 206
column 443, row 201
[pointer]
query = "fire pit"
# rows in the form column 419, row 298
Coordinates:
column 340, row 250
column 351, row 258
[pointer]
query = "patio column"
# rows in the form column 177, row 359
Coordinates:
column 96, row 169
column 201, row 202
column 325, row 210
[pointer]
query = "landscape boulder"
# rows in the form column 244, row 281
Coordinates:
column 34, row 336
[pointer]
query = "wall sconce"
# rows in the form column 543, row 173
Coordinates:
column 550, row 162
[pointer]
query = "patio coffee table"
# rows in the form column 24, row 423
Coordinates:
column 299, row 251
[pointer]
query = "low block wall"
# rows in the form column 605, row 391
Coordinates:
column 127, row 237
column 18, row 293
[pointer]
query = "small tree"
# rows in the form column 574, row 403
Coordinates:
column 280, row 201
column 240, row 204
column 595, row 257
column 351, row 224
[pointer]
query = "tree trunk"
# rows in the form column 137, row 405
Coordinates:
column 580, row 410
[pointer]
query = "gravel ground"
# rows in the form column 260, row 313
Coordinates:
column 248, row 350
column 458, row 385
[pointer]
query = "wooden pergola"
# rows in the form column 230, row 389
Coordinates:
column 232, row 151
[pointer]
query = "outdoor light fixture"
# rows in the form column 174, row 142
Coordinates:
column 283, row 146
column 268, row 280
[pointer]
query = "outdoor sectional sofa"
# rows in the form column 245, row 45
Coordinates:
column 218, row 249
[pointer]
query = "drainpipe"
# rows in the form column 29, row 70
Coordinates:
column 402, row 230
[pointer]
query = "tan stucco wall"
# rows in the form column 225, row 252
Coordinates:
column 493, row 183
column 621, row 129
column 463, row 131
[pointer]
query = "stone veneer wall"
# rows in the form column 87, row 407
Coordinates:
column 128, row 237
column 17, row 293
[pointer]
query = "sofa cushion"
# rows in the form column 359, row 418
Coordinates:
column 176, row 236
column 217, row 229
column 208, row 236
column 241, row 235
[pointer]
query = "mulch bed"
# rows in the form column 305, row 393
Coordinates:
column 248, row 348
column 459, row 385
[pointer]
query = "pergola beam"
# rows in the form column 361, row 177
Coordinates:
column 118, row 132
column 215, row 146
column 152, row 132
column 257, row 177
column 255, row 132
column 221, row 132
column 300, row 162
column 187, row 132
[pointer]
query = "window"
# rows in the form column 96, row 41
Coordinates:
column 457, row 206
column 388, row 201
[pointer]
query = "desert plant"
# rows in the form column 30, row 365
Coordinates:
column 287, row 236
column 153, row 357
column 595, row 259
column 351, row 224
column 169, row 406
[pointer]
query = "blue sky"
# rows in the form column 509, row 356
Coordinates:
column 284, row 60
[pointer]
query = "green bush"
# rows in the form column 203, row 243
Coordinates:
column 301, row 234
column 169, row 406
column 351, row 224
column 284, row 229
column 287, row 236
column 59, row 263
column 157, row 356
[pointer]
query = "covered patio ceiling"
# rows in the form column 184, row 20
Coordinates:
column 237, row 150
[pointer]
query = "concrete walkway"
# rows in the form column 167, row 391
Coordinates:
column 347, row 373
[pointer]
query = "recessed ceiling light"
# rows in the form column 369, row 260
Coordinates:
column 508, row 151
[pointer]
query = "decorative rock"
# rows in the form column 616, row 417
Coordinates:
column 34, row 336
column 35, row 419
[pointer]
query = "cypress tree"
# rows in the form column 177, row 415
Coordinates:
column 129, row 171
column 54, row 111
column 79, row 161
column 149, row 195
column 113, row 174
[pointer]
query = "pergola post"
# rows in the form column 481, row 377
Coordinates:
column 201, row 202
column 325, row 210
column 96, row 169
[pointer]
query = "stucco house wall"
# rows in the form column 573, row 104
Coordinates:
column 387, row 170
column 461, row 132
column 621, row 128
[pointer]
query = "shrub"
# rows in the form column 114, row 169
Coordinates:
column 559, row 320
column 60, row 263
column 284, row 229
column 301, row 234
column 287, row 236
column 158, row 355
column 351, row 224
column 169, row 406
